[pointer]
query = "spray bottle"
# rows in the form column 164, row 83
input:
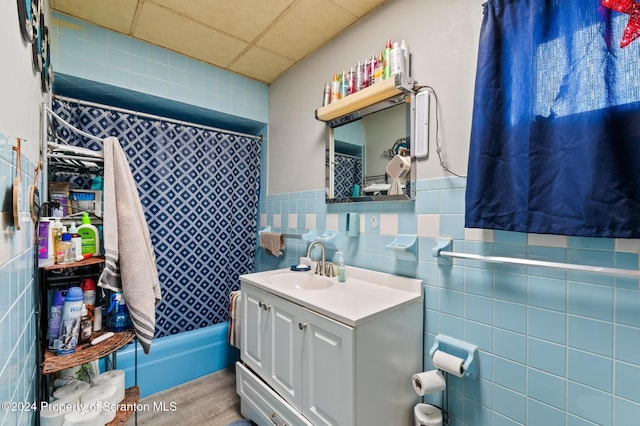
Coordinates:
column 55, row 317
column 120, row 319
column 70, row 325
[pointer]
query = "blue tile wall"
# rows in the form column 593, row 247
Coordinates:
column 556, row 347
column 17, row 293
column 95, row 54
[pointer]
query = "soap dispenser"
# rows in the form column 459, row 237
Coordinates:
column 90, row 237
column 341, row 272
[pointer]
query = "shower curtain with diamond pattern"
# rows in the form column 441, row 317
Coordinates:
column 199, row 191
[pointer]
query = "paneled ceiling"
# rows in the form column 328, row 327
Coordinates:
column 259, row 39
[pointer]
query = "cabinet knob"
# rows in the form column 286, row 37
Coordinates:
column 302, row 325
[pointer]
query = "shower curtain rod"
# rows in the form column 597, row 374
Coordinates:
column 443, row 247
column 154, row 117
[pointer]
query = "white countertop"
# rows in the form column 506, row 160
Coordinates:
column 364, row 295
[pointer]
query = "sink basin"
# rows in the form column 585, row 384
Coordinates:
column 301, row 280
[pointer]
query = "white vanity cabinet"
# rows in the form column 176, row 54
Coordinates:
column 305, row 357
column 301, row 366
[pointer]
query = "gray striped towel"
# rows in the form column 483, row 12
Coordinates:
column 130, row 262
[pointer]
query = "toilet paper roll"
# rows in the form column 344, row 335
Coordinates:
column 103, row 396
column 449, row 363
column 72, row 390
column 114, row 378
column 428, row 382
column 87, row 417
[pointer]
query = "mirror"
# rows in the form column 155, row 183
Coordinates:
column 360, row 152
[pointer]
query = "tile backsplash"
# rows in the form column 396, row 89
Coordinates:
column 555, row 347
column 17, row 293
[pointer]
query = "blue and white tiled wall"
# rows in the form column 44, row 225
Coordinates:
column 17, row 292
column 556, row 347
column 100, row 56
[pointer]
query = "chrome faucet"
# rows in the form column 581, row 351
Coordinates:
column 322, row 267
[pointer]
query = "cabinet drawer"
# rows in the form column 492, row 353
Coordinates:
column 270, row 408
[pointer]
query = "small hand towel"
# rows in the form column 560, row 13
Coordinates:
column 234, row 318
column 273, row 242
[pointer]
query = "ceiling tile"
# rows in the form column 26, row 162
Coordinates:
column 160, row 26
column 305, row 27
column 243, row 19
column 116, row 15
column 261, row 65
column 359, row 7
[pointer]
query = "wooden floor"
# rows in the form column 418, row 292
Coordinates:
column 209, row 400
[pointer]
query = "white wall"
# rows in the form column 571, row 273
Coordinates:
column 442, row 36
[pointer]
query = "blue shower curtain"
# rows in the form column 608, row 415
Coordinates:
column 199, row 192
column 555, row 139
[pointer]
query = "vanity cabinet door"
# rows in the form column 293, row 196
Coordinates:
column 328, row 371
column 285, row 351
column 255, row 326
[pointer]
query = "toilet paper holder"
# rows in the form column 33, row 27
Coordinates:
column 460, row 349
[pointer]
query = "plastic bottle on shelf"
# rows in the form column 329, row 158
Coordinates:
column 359, row 78
column 326, row 96
column 335, row 89
column 120, row 319
column 341, row 272
column 396, row 59
column 56, row 236
column 45, row 244
column 76, row 239
column 88, row 286
column 378, row 74
column 55, row 317
column 86, row 326
column 70, row 324
column 90, row 237
column 386, row 73
column 344, row 86
column 407, row 57
column 65, row 252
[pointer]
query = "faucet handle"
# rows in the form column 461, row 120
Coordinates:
column 319, row 268
column 329, row 270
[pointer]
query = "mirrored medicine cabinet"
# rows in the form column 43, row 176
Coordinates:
column 364, row 140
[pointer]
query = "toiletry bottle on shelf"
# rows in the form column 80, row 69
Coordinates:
column 341, row 272
column 56, row 236
column 119, row 320
column 379, row 70
column 359, row 77
column 396, row 59
column 368, row 69
column 344, row 86
column 90, row 237
column 65, row 253
column 326, row 96
column 335, row 89
column 76, row 239
column 351, row 82
column 386, row 73
column 55, row 317
column 44, row 243
column 86, row 326
column 70, row 324
column 407, row 57
column 88, row 286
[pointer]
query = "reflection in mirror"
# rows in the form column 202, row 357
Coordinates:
column 360, row 151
